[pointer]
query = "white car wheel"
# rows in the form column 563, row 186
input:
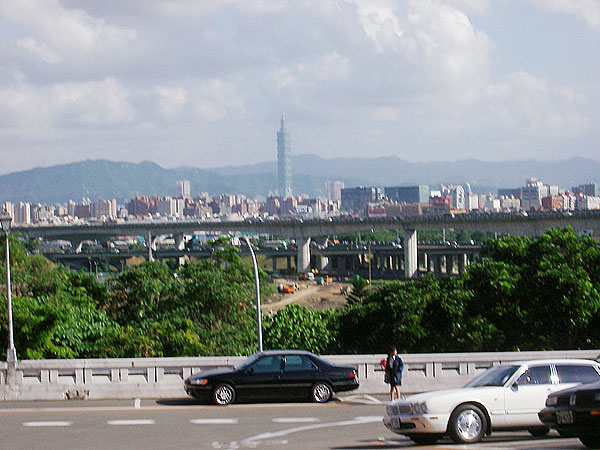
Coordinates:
column 467, row 424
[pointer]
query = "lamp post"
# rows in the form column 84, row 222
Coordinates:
column 11, row 352
column 257, row 286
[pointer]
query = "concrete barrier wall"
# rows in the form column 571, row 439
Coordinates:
column 163, row 377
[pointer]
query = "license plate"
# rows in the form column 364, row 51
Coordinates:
column 564, row 417
column 395, row 423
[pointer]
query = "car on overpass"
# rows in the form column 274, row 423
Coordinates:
column 275, row 375
column 505, row 397
column 575, row 412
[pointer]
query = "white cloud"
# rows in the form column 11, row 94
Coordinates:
column 526, row 106
column 214, row 99
column 353, row 76
column 93, row 102
column 476, row 6
column 171, row 99
column 329, row 66
column 587, row 10
column 42, row 50
column 67, row 30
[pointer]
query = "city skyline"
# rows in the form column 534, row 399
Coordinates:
column 201, row 83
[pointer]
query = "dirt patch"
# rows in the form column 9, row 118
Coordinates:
column 309, row 294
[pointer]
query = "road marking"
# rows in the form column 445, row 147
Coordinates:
column 48, row 424
column 373, row 399
column 214, row 421
column 86, row 409
column 132, row 422
column 363, row 399
column 255, row 440
column 137, row 403
column 295, row 420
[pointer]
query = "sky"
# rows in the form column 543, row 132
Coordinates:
column 204, row 83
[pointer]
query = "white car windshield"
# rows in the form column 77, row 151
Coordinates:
column 496, row 376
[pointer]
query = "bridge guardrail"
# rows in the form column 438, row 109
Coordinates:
column 163, row 377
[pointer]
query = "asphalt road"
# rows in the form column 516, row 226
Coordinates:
column 351, row 422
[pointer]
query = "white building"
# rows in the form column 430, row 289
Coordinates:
column 171, row 207
column 22, row 214
column 586, row 202
column 569, row 201
column 472, row 202
column 533, row 193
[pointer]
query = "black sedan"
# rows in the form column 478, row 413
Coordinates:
column 277, row 375
column 575, row 412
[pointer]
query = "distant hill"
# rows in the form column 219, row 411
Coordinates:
column 106, row 179
column 390, row 171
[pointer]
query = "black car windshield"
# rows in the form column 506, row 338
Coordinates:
column 248, row 362
column 496, row 376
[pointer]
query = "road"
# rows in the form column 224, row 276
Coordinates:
column 349, row 422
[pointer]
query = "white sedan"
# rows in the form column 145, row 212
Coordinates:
column 505, row 397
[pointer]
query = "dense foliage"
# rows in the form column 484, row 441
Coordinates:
column 525, row 294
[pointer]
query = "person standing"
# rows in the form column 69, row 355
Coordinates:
column 393, row 372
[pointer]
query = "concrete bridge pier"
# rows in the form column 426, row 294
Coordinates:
column 76, row 245
column 179, row 242
column 410, row 254
column 462, row 263
column 449, row 264
column 437, row 266
column 151, row 243
column 303, row 255
column 322, row 263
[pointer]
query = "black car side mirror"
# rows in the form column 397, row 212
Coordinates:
column 250, row 371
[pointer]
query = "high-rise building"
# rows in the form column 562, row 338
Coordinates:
column 532, row 194
column 334, row 190
column 284, row 161
column 358, row 198
column 184, row 188
column 587, row 189
column 408, row 194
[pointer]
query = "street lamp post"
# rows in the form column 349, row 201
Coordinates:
column 257, row 286
column 11, row 352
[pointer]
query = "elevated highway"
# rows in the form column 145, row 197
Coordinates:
column 383, row 260
column 303, row 231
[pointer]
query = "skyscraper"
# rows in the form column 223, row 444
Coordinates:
column 284, row 161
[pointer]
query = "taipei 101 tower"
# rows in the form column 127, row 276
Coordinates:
column 284, row 161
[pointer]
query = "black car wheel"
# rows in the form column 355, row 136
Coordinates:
column 224, row 394
column 539, row 432
column 321, row 393
column 590, row 440
column 424, row 439
column 467, row 424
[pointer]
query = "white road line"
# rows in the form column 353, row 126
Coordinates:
column 214, row 421
column 296, row 420
column 137, row 403
column 373, row 399
column 132, row 422
column 255, row 440
column 47, row 424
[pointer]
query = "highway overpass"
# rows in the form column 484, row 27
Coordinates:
column 532, row 224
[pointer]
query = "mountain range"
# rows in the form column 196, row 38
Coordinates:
column 103, row 179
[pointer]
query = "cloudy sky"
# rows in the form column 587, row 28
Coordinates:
column 203, row 83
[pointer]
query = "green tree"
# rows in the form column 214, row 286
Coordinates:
column 298, row 327
column 359, row 290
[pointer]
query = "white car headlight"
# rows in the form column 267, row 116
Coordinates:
column 419, row 408
column 199, row 381
column 552, row 400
